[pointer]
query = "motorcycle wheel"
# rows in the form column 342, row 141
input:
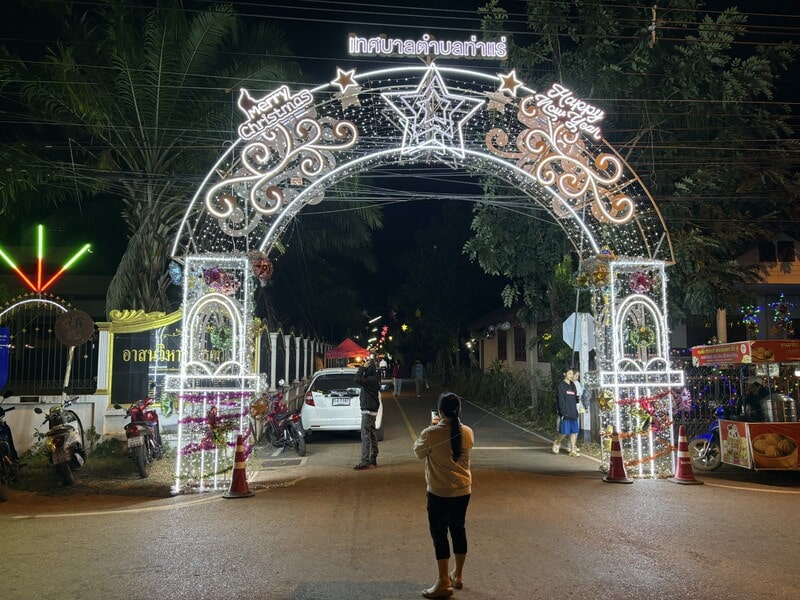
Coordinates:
column 3, row 491
column 65, row 473
column 272, row 439
column 705, row 455
column 298, row 441
column 140, row 460
column 256, row 430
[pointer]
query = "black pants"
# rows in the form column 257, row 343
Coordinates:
column 369, row 439
column 447, row 514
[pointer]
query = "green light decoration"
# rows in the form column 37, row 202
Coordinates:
column 40, row 287
column 751, row 318
column 782, row 314
column 642, row 337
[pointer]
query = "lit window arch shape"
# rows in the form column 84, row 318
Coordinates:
column 221, row 308
column 640, row 317
column 293, row 145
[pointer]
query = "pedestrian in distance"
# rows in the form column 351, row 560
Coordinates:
column 567, row 409
column 445, row 448
column 418, row 373
column 383, row 366
column 583, row 397
column 367, row 377
column 397, row 378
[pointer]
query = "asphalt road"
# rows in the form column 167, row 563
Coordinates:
column 539, row 526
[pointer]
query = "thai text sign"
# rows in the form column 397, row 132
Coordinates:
column 721, row 354
column 747, row 352
column 383, row 45
column 140, row 360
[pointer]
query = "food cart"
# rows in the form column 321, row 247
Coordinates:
column 772, row 442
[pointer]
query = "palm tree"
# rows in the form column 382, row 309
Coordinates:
column 136, row 100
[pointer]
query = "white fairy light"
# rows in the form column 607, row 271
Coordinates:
column 17, row 304
column 293, row 146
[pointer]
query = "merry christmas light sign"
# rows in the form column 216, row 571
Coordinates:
column 277, row 107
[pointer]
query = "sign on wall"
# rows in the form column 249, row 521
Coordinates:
column 141, row 357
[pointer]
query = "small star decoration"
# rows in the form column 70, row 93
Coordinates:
column 509, row 83
column 345, row 79
column 349, row 88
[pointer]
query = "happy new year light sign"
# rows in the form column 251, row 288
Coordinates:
column 561, row 105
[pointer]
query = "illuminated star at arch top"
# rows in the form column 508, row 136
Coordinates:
column 433, row 118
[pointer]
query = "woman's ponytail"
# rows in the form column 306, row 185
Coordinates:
column 450, row 406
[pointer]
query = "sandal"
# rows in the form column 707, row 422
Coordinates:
column 457, row 583
column 433, row 592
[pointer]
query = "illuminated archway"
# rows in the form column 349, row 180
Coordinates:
column 293, row 146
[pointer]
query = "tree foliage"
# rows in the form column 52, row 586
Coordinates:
column 694, row 113
column 319, row 279
column 440, row 293
column 132, row 106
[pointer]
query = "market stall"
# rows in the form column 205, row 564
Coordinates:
column 346, row 352
column 767, row 434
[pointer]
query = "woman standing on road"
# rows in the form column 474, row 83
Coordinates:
column 445, row 448
column 567, row 409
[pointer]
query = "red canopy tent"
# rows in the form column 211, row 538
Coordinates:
column 347, row 349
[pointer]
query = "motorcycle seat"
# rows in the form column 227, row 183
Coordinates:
column 281, row 416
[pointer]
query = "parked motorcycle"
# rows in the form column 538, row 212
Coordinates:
column 64, row 442
column 9, row 461
column 705, row 450
column 143, row 435
column 270, row 417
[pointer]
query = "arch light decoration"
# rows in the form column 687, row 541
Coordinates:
column 293, row 146
column 216, row 380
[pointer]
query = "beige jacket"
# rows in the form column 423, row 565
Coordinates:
column 444, row 477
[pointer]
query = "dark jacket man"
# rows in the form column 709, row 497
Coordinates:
column 367, row 378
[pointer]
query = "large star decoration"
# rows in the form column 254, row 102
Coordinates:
column 509, row 83
column 433, row 118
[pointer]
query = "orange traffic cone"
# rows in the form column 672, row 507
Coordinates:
column 616, row 471
column 239, row 487
column 684, row 473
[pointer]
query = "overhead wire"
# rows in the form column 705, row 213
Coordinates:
column 359, row 13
